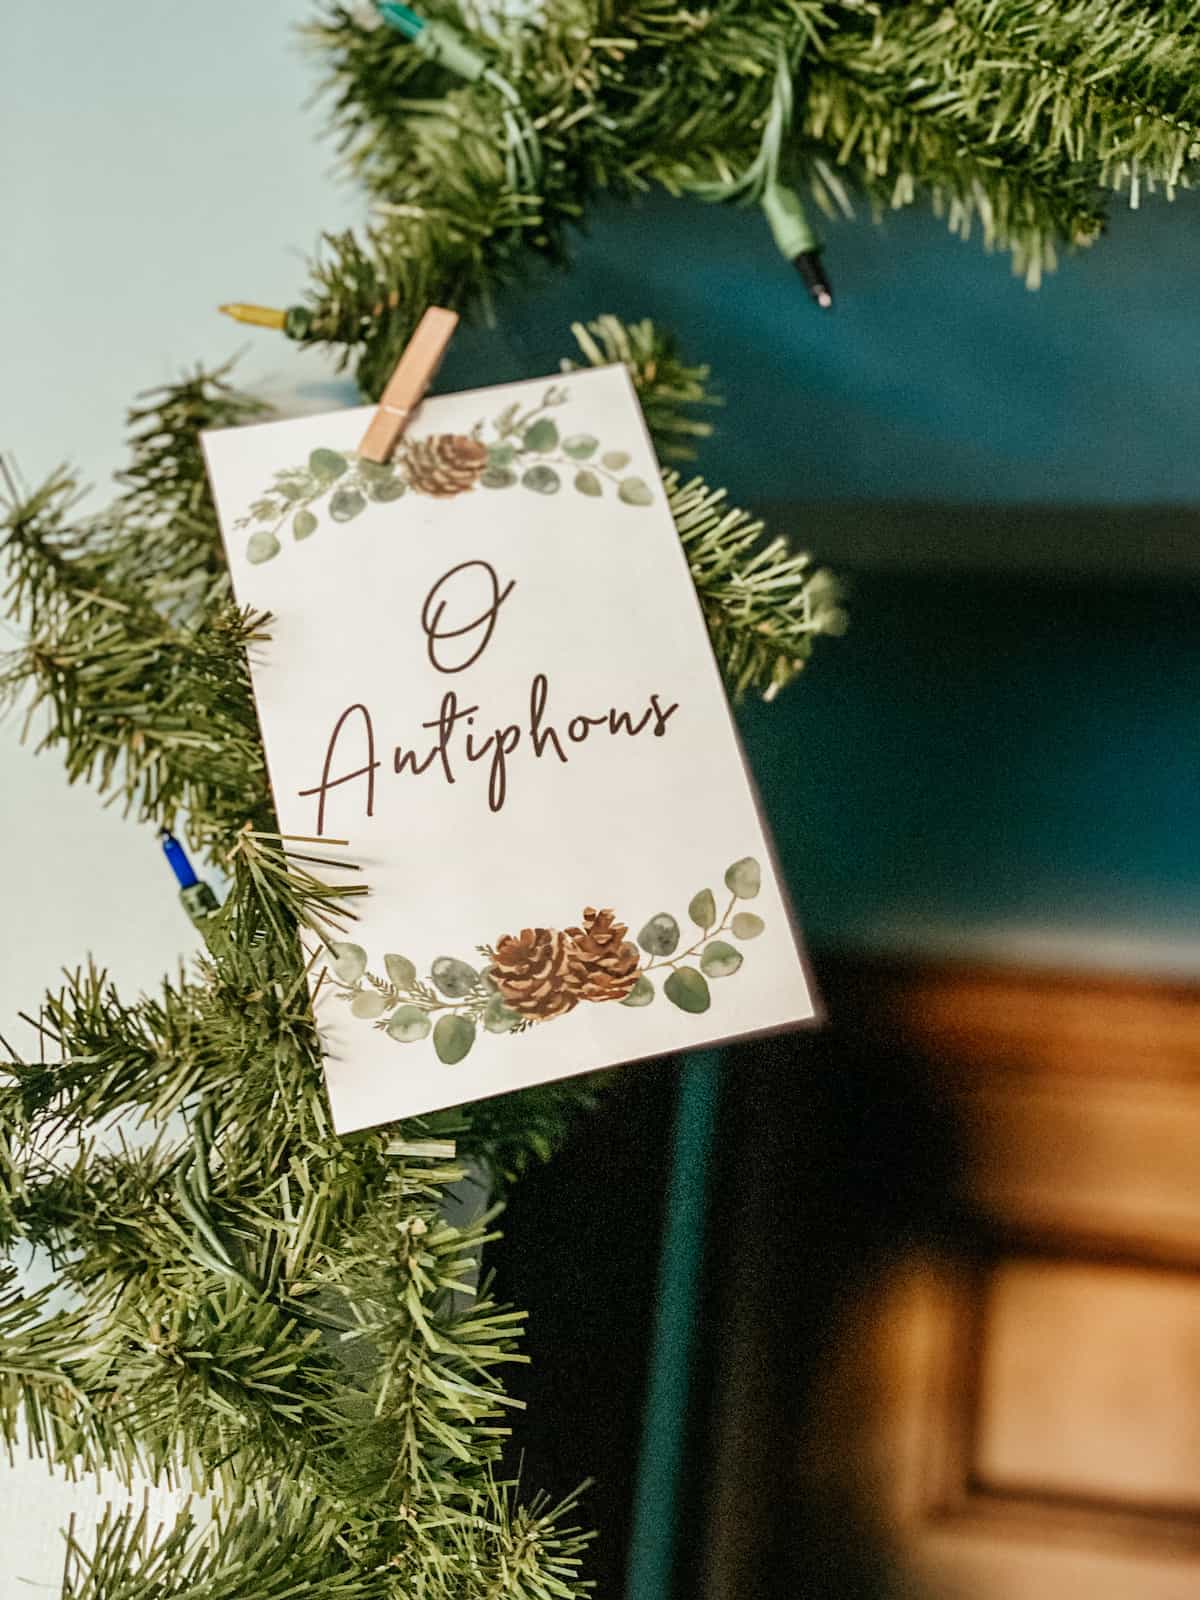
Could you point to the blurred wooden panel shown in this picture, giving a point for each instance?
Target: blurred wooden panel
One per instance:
(1040, 1433)
(1082, 1373)
(996, 1566)
(996, 1390)
(1112, 1159)
(1051, 1024)
(1081, 1100)
(994, 1490)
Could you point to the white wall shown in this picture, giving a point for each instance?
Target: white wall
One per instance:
(156, 160)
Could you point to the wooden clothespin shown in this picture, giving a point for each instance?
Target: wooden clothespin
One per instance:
(407, 385)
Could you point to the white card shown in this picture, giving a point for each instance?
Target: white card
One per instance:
(489, 672)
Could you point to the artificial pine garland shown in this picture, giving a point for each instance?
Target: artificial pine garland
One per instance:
(484, 140)
(246, 1303)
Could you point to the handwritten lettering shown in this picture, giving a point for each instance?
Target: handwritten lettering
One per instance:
(458, 592)
(367, 770)
(457, 743)
(454, 587)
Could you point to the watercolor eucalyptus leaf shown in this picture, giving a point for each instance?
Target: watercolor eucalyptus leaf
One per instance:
(408, 1024)
(328, 464)
(614, 460)
(498, 478)
(261, 546)
(304, 525)
(720, 960)
(642, 993)
(501, 455)
(367, 1003)
(746, 925)
(368, 469)
(346, 504)
(687, 989)
(744, 878)
(349, 962)
(452, 1038)
(660, 936)
(580, 446)
(541, 436)
(497, 1018)
(588, 483)
(635, 492)
(400, 971)
(702, 909)
(453, 977)
(541, 479)
(385, 490)
(291, 488)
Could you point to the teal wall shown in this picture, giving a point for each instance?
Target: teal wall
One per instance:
(996, 763)
(996, 767)
(937, 377)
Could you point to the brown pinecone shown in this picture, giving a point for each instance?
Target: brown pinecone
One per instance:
(538, 972)
(610, 962)
(445, 463)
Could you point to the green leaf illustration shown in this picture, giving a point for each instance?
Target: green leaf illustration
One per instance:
(452, 1038)
(687, 989)
(327, 464)
(543, 480)
(349, 962)
(580, 446)
(720, 960)
(346, 503)
(367, 1003)
(702, 909)
(541, 435)
(261, 547)
(660, 936)
(498, 478)
(497, 1018)
(588, 483)
(641, 994)
(303, 524)
(407, 1024)
(454, 977)
(746, 925)
(386, 489)
(400, 971)
(744, 878)
(614, 460)
(501, 455)
(635, 492)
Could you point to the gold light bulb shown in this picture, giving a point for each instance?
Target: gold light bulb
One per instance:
(257, 316)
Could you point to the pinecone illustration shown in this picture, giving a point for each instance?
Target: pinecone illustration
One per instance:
(538, 972)
(609, 961)
(445, 463)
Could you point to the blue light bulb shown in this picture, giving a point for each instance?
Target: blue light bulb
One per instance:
(177, 856)
(198, 899)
